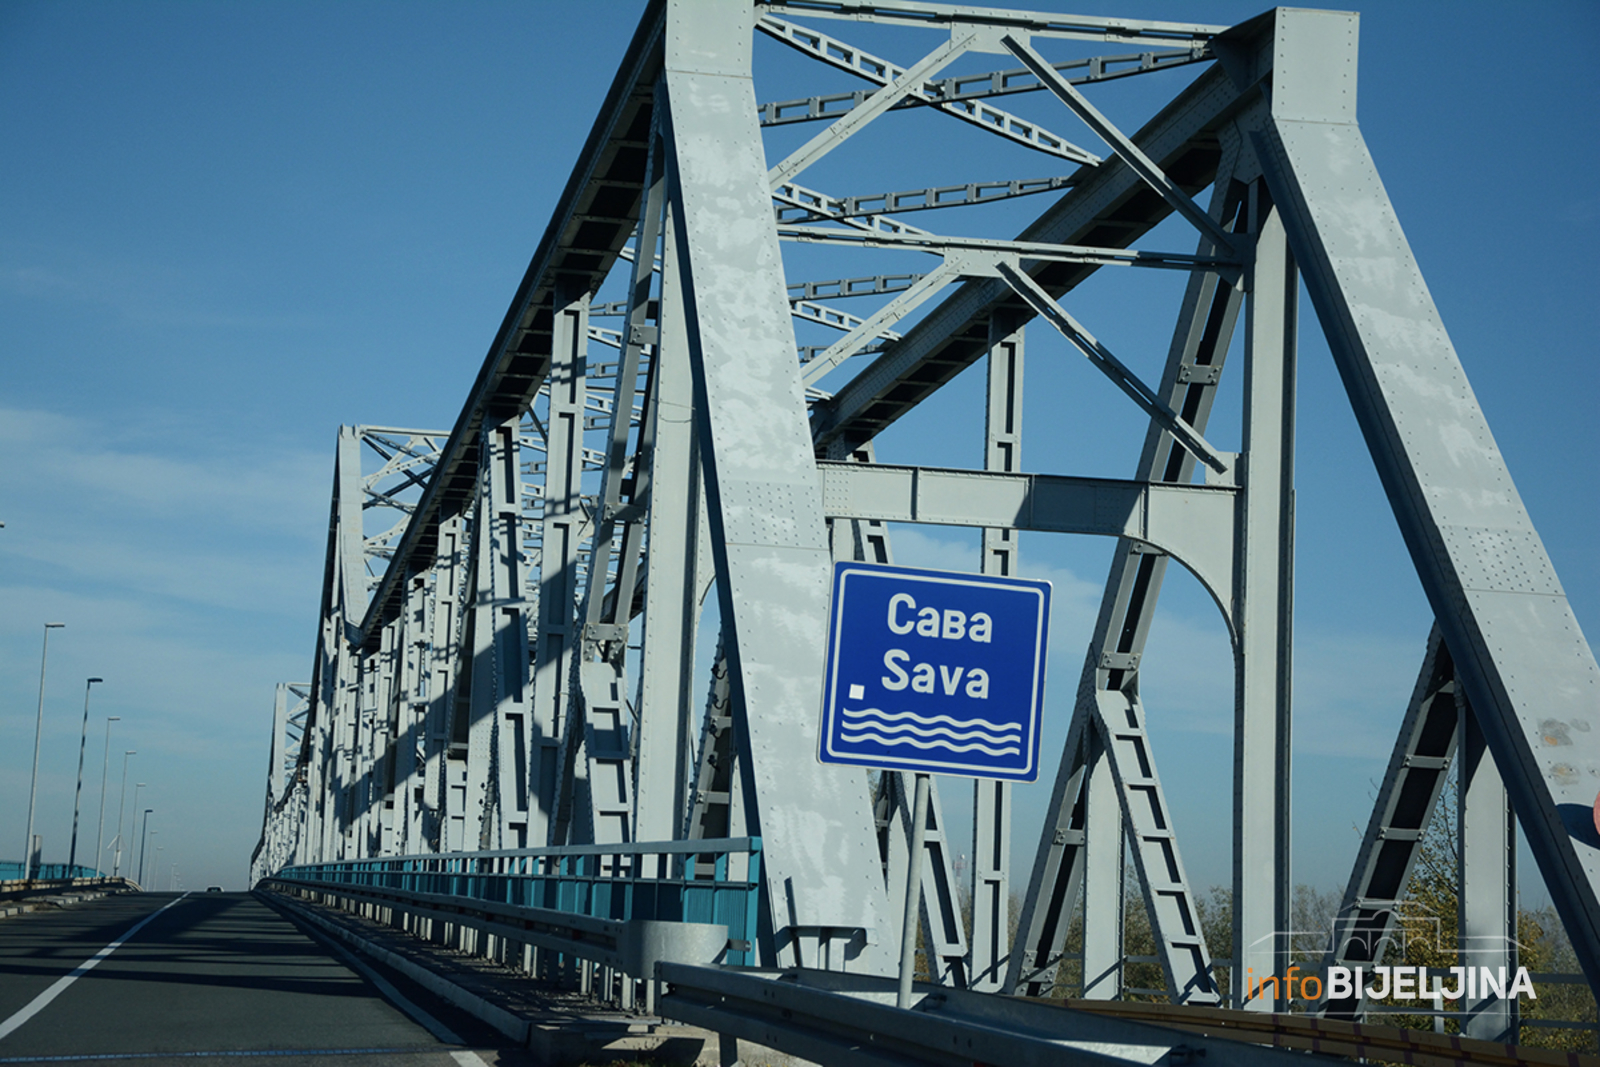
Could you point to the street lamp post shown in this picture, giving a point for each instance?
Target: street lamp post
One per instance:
(122, 805)
(77, 798)
(38, 734)
(133, 823)
(105, 769)
(144, 837)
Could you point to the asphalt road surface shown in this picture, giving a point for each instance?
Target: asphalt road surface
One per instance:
(222, 978)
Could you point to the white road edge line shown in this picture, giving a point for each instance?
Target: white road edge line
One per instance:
(465, 1057)
(59, 986)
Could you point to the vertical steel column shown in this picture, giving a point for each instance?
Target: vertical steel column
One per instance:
(991, 801)
(560, 541)
(1189, 383)
(1519, 651)
(345, 757)
(380, 669)
(672, 596)
(275, 826)
(442, 818)
(497, 756)
(345, 592)
(944, 944)
(605, 734)
(1103, 887)
(944, 939)
(357, 741)
(319, 780)
(1263, 607)
(275, 754)
(1487, 858)
(826, 898)
(410, 720)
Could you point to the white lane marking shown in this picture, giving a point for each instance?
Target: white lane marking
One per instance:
(445, 1035)
(227, 1054)
(40, 1002)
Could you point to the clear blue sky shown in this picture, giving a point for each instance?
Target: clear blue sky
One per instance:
(229, 228)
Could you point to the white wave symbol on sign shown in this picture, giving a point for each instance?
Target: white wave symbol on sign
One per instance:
(931, 731)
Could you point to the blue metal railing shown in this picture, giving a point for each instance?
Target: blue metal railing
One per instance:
(708, 881)
(11, 871)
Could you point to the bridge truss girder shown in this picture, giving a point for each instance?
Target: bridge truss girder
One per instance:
(522, 671)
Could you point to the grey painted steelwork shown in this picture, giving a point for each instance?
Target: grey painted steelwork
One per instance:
(969, 86)
(1518, 650)
(991, 801)
(767, 532)
(914, 86)
(507, 658)
(1406, 803)
(938, 919)
(1192, 523)
(1486, 856)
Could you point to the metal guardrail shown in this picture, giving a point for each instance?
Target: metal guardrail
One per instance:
(598, 918)
(850, 1019)
(24, 889)
(615, 947)
(11, 871)
(714, 881)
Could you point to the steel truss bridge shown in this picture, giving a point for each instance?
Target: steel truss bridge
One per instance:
(505, 675)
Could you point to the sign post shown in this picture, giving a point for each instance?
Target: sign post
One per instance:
(908, 928)
(933, 672)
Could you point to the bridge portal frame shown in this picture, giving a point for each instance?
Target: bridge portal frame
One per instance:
(1270, 128)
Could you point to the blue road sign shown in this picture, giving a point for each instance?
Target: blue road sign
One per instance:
(935, 671)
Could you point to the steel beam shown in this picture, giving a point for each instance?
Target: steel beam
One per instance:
(913, 84)
(1519, 652)
(991, 800)
(984, 86)
(940, 922)
(1401, 814)
(1486, 856)
(1192, 523)
(676, 563)
(557, 779)
(442, 799)
(1110, 207)
(602, 729)
(1066, 863)
(406, 716)
(827, 903)
(1264, 598)
(422, 732)
(1103, 873)
(1036, 23)
(592, 222)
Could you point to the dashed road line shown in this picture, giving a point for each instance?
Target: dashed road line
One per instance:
(59, 986)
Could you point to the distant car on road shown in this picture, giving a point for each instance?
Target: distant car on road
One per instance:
(213, 889)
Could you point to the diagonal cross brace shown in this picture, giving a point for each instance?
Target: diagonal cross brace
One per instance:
(871, 108)
(1112, 367)
(882, 72)
(1125, 149)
